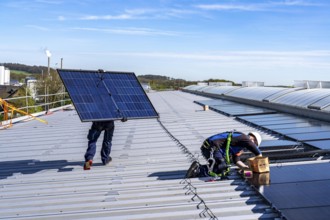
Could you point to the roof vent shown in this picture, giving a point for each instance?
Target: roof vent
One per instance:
(220, 83)
(252, 84)
(310, 84)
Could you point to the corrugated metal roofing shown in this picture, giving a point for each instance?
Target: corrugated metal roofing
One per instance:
(42, 176)
(219, 90)
(303, 98)
(257, 93)
(311, 102)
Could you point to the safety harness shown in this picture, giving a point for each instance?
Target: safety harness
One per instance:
(211, 160)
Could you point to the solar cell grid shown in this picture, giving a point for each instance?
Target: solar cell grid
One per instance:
(300, 191)
(277, 143)
(267, 117)
(310, 136)
(276, 122)
(284, 126)
(302, 130)
(214, 102)
(324, 144)
(100, 96)
(240, 110)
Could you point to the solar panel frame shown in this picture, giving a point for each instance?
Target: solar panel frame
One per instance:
(103, 96)
(240, 110)
(212, 102)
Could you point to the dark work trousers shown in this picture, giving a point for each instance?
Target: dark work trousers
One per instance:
(220, 163)
(94, 133)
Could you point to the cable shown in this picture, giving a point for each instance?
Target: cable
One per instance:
(191, 189)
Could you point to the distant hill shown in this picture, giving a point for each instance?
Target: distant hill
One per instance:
(157, 82)
(25, 68)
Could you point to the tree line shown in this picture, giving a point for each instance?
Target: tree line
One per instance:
(156, 82)
(52, 84)
(26, 68)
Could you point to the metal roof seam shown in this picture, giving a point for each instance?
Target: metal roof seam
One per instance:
(191, 188)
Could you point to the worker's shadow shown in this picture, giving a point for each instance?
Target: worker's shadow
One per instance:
(12, 168)
(169, 175)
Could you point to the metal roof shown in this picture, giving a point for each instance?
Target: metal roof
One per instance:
(304, 98)
(257, 93)
(314, 103)
(42, 174)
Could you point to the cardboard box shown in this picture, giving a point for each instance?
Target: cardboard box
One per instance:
(259, 164)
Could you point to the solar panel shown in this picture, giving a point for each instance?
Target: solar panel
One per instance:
(302, 130)
(284, 126)
(300, 191)
(101, 96)
(214, 102)
(237, 110)
(310, 136)
(231, 108)
(277, 143)
(325, 144)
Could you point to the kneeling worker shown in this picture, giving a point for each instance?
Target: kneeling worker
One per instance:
(218, 149)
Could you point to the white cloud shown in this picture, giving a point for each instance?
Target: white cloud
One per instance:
(139, 13)
(252, 58)
(107, 17)
(131, 31)
(52, 2)
(61, 18)
(255, 7)
(143, 13)
(37, 27)
(297, 3)
(223, 7)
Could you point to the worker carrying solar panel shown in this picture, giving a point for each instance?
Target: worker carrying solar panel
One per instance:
(219, 149)
(94, 133)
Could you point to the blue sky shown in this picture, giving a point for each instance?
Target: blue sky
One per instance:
(275, 41)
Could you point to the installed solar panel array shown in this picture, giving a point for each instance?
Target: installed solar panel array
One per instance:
(317, 98)
(100, 96)
(315, 133)
(233, 109)
(312, 132)
(298, 190)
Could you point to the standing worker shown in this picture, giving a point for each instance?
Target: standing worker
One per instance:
(94, 133)
(218, 149)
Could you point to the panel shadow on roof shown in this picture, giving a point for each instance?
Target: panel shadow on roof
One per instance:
(99, 96)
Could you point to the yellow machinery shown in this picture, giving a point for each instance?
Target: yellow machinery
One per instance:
(10, 108)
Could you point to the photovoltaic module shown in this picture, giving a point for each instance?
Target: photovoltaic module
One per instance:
(101, 96)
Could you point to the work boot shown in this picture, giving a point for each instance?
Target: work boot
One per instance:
(193, 170)
(88, 164)
(107, 161)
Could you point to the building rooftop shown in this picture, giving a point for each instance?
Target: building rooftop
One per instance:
(42, 174)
